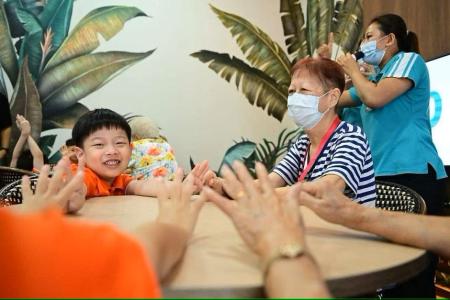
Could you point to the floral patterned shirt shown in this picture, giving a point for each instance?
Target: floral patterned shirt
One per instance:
(152, 158)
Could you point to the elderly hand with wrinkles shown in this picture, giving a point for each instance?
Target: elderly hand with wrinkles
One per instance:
(263, 219)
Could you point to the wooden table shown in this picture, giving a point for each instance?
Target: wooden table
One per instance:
(217, 263)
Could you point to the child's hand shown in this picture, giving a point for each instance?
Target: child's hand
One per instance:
(197, 175)
(59, 190)
(214, 182)
(176, 206)
(23, 125)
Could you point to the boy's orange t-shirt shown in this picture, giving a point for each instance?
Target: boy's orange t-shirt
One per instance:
(45, 255)
(97, 187)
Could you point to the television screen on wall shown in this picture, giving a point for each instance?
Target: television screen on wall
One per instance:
(439, 69)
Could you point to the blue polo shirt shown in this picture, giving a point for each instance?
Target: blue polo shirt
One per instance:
(399, 133)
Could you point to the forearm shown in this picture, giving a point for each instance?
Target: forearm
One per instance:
(36, 152)
(367, 90)
(164, 244)
(295, 278)
(427, 232)
(148, 187)
(18, 150)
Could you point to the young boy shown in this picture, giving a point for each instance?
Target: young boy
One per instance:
(103, 140)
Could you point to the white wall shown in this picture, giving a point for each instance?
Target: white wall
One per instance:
(200, 113)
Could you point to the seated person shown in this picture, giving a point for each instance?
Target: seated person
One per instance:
(151, 155)
(50, 256)
(331, 150)
(21, 159)
(103, 138)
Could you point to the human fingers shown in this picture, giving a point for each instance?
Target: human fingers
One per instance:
(246, 179)
(231, 184)
(263, 177)
(43, 181)
(174, 188)
(161, 190)
(56, 182)
(27, 194)
(73, 186)
(330, 40)
(209, 177)
(290, 204)
(224, 204)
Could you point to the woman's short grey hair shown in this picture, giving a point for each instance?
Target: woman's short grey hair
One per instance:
(143, 128)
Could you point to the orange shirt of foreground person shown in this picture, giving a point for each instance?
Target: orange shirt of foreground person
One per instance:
(45, 255)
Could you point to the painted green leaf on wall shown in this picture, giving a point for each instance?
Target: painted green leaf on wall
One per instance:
(57, 15)
(66, 118)
(260, 89)
(260, 50)
(243, 151)
(348, 24)
(67, 83)
(31, 45)
(35, 7)
(84, 38)
(319, 15)
(8, 59)
(294, 28)
(25, 101)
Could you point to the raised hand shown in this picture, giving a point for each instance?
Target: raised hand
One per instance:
(176, 206)
(59, 190)
(264, 220)
(23, 124)
(197, 175)
(327, 201)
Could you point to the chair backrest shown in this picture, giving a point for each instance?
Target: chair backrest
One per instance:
(396, 197)
(9, 175)
(12, 193)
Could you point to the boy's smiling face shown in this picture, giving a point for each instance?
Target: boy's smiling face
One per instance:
(107, 152)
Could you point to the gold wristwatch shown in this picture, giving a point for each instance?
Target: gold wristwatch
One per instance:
(284, 251)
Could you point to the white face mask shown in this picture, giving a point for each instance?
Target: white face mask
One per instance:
(304, 109)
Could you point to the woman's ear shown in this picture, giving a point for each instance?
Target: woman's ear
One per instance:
(335, 94)
(391, 39)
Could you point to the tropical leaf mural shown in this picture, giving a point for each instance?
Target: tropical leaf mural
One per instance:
(58, 68)
(267, 152)
(265, 79)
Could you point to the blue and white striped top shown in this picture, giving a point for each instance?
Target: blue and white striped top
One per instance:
(346, 154)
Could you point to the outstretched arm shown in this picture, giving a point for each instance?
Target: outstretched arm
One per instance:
(427, 232)
(165, 240)
(268, 224)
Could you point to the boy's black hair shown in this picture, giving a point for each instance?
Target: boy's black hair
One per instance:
(95, 120)
(70, 142)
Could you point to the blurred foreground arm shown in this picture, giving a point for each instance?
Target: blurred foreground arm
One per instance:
(165, 239)
(271, 224)
(427, 232)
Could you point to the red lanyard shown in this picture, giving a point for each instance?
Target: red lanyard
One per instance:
(323, 141)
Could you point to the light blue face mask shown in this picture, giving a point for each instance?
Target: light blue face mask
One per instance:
(304, 109)
(372, 55)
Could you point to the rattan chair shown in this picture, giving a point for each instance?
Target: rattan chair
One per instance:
(11, 194)
(9, 175)
(396, 197)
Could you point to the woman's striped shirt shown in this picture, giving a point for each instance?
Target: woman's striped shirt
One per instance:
(346, 154)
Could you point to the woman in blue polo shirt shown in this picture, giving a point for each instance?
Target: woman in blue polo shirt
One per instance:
(395, 116)
(394, 110)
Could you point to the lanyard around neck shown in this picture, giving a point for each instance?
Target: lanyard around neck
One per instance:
(322, 143)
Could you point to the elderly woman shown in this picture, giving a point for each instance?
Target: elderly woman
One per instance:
(331, 150)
